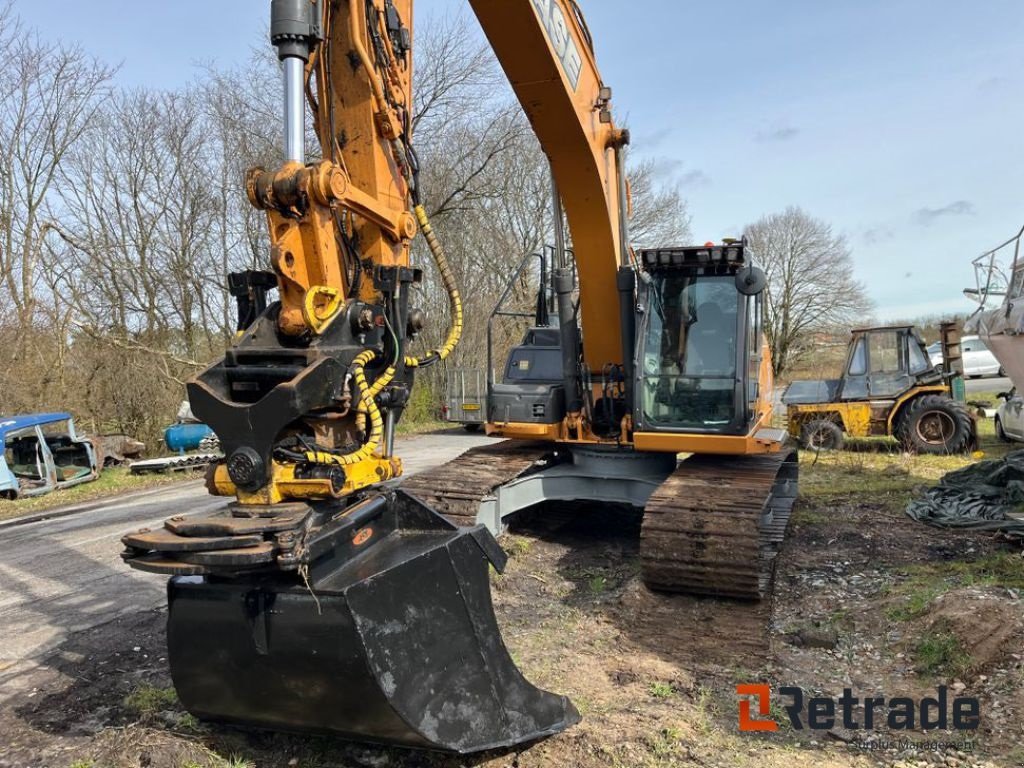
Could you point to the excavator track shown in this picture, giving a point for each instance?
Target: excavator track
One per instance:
(456, 489)
(716, 525)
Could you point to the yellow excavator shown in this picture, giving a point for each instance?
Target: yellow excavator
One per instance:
(324, 598)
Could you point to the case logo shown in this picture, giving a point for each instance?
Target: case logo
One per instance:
(557, 27)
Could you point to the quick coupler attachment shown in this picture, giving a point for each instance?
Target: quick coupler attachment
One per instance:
(389, 636)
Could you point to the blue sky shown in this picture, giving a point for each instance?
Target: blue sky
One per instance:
(899, 121)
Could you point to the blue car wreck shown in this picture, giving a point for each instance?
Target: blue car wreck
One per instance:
(43, 452)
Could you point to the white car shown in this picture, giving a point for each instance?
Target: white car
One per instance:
(978, 359)
(1010, 418)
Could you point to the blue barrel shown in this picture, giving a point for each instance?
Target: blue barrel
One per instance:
(182, 438)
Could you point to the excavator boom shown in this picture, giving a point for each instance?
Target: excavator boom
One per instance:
(569, 107)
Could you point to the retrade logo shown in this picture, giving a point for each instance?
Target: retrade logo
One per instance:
(821, 713)
(557, 27)
(762, 694)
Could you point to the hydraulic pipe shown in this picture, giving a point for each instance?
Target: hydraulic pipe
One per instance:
(295, 110)
(389, 432)
(620, 164)
(295, 31)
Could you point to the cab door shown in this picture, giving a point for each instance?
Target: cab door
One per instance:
(888, 364)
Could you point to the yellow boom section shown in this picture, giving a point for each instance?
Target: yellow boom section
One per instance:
(569, 108)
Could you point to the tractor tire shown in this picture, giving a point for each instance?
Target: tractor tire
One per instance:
(821, 435)
(935, 425)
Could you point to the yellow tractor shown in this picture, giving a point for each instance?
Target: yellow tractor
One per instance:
(889, 388)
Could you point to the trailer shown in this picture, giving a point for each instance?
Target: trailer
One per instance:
(466, 398)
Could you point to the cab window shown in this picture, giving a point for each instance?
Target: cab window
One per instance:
(690, 354)
(858, 361)
(919, 361)
(886, 352)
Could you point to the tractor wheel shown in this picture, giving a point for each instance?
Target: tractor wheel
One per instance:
(821, 435)
(935, 425)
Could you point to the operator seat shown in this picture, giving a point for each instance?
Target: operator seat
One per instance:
(710, 349)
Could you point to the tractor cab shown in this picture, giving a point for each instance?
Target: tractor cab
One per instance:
(881, 363)
(889, 387)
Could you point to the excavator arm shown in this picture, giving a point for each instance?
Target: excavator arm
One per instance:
(322, 598)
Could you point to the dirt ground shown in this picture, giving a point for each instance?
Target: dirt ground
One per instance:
(865, 599)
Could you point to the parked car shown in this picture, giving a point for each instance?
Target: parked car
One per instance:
(978, 359)
(1010, 417)
(43, 452)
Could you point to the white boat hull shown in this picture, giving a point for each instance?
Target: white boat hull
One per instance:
(1003, 333)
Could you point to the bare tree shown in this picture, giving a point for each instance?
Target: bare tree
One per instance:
(48, 95)
(811, 285)
(660, 216)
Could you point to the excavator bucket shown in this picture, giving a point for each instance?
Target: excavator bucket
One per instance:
(390, 637)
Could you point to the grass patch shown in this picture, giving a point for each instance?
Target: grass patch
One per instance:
(83, 764)
(809, 515)
(148, 699)
(111, 482)
(661, 690)
(916, 603)
(989, 398)
(517, 546)
(410, 427)
(926, 582)
(665, 744)
(189, 723)
(940, 653)
(878, 468)
(1003, 569)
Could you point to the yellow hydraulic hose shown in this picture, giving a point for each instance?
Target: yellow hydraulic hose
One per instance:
(368, 394)
(369, 404)
(454, 297)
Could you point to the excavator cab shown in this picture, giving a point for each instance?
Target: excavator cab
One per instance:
(699, 355)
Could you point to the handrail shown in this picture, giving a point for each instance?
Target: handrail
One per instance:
(499, 309)
(986, 268)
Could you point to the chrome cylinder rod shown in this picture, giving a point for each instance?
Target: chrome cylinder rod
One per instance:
(389, 433)
(295, 110)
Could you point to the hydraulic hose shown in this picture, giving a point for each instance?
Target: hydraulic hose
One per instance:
(369, 404)
(454, 297)
(368, 394)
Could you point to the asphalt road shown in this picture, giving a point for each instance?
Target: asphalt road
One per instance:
(65, 575)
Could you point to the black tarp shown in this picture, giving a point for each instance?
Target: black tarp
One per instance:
(986, 496)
